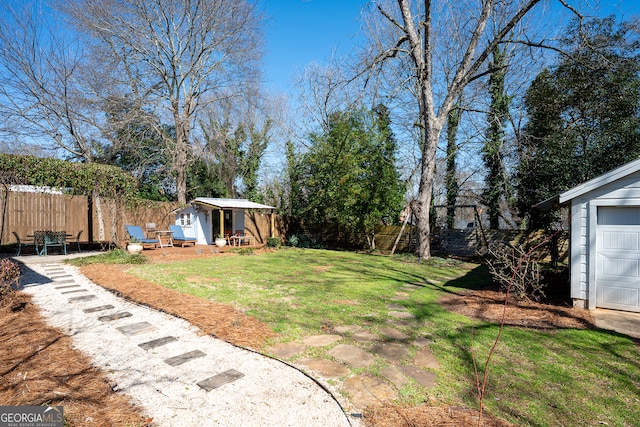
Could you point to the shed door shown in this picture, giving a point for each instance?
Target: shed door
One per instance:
(618, 258)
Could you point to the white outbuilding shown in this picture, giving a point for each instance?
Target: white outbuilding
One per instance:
(605, 240)
(207, 218)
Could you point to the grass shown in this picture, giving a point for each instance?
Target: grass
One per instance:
(117, 256)
(537, 377)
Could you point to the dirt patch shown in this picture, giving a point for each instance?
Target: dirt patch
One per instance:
(40, 367)
(489, 305)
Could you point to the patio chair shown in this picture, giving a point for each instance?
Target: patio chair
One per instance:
(179, 238)
(21, 242)
(54, 239)
(78, 240)
(135, 232)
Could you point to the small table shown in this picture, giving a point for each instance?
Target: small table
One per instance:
(238, 240)
(167, 236)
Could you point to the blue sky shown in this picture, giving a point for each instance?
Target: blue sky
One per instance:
(302, 31)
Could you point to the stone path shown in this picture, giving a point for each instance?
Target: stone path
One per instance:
(177, 374)
(352, 350)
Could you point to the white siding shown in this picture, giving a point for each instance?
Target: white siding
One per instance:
(623, 192)
(579, 251)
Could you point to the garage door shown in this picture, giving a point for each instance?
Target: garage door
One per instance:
(618, 258)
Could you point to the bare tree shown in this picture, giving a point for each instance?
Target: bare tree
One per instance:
(236, 133)
(49, 89)
(183, 51)
(44, 95)
(408, 34)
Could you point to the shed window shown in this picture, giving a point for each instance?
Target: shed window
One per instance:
(618, 215)
(185, 219)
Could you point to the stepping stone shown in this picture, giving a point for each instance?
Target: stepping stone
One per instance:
(83, 298)
(67, 286)
(347, 329)
(400, 294)
(410, 287)
(321, 340)
(353, 356)
(401, 315)
(62, 282)
(394, 375)
(137, 328)
(287, 350)
(365, 337)
(422, 341)
(157, 343)
(392, 351)
(394, 334)
(115, 316)
(365, 391)
(326, 368)
(99, 308)
(425, 359)
(184, 358)
(396, 307)
(75, 291)
(220, 379)
(399, 323)
(424, 378)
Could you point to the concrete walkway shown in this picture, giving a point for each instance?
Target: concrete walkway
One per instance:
(623, 322)
(177, 374)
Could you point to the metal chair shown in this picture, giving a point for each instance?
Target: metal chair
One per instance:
(21, 242)
(53, 239)
(78, 240)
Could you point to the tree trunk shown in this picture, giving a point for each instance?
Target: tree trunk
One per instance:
(97, 202)
(180, 159)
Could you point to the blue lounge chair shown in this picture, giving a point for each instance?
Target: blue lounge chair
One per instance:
(135, 232)
(179, 238)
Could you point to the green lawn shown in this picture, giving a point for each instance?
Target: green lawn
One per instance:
(562, 377)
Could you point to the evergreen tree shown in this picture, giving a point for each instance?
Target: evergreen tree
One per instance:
(495, 182)
(583, 114)
(349, 175)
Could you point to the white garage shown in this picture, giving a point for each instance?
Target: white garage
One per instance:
(605, 240)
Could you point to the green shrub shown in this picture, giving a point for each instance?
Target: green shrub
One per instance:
(293, 240)
(274, 242)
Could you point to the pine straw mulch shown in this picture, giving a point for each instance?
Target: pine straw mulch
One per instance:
(488, 305)
(220, 320)
(428, 416)
(39, 366)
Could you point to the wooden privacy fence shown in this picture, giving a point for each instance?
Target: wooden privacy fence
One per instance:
(26, 212)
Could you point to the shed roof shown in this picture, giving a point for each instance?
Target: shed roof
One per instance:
(230, 203)
(597, 182)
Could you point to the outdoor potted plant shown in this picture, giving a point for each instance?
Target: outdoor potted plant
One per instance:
(220, 241)
(134, 246)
